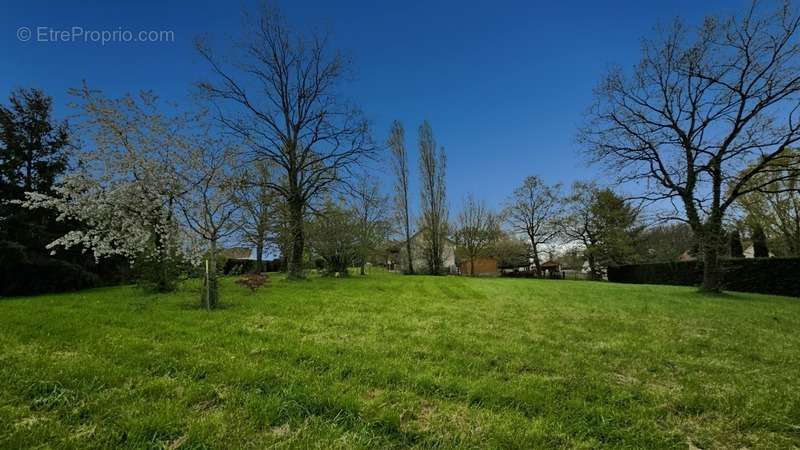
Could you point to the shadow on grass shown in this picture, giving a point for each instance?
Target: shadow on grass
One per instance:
(736, 296)
(195, 305)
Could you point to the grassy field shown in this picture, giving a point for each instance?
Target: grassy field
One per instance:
(392, 361)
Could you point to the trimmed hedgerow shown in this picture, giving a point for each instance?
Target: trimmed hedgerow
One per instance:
(780, 276)
(25, 274)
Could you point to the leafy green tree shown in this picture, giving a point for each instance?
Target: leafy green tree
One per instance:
(665, 242)
(33, 147)
(604, 224)
(774, 204)
(511, 252)
(760, 249)
(618, 227)
(34, 151)
(331, 237)
(737, 251)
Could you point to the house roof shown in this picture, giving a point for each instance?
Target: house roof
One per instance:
(236, 252)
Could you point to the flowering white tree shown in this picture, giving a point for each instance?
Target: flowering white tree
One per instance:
(124, 189)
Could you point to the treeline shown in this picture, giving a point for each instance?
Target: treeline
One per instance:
(777, 276)
(263, 160)
(35, 151)
(276, 158)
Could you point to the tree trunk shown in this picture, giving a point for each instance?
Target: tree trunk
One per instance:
(28, 170)
(212, 295)
(260, 258)
(536, 262)
(164, 284)
(161, 277)
(363, 267)
(472, 267)
(712, 279)
(709, 237)
(434, 252)
(408, 249)
(592, 267)
(712, 275)
(297, 234)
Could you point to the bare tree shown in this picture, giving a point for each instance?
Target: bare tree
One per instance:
(282, 232)
(281, 96)
(208, 170)
(397, 146)
(258, 209)
(703, 113)
(477, 230)
(432, 164)
(370, 207)
(533, 210)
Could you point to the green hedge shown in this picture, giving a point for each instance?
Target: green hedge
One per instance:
(779, 276)
(25, 274)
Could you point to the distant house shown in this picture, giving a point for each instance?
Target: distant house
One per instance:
(236, 252)
(551, 267)
(484, 266)
(392, 249)
(750, 252)
(399, 261)
(686, 256)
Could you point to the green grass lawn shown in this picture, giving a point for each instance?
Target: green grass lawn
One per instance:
(393, 361)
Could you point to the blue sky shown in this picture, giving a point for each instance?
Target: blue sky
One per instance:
(504, 84)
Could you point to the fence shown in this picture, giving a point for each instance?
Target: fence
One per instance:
(562, 275)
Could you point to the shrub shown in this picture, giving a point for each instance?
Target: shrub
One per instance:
(253, 281)
(779, 276)
(158, 273)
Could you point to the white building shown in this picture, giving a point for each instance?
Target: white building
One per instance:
(418, 255)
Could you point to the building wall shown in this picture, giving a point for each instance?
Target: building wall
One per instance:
(420, 264)
(483, 266)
